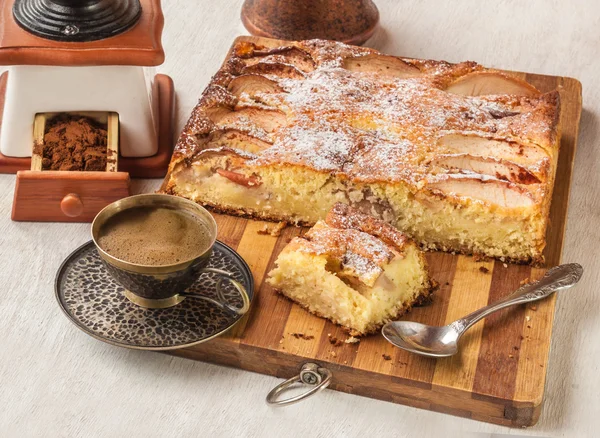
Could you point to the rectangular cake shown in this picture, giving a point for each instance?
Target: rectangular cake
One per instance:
(459, 157)
(355, 270)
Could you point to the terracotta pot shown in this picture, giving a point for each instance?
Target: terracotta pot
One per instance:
(350, 21)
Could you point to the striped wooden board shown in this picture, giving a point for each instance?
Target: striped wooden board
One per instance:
(499, 374)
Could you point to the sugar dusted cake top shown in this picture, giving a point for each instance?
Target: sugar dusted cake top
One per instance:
(373, 117)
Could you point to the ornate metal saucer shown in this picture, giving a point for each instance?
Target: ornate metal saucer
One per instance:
(94, 301)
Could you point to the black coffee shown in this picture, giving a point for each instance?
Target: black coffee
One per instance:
(154, 236)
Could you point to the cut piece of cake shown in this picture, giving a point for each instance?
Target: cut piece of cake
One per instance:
(459, 157)
(355, 270)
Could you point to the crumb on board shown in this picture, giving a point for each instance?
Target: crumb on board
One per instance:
(511, 356)
(352, 340)
(333, 354)
(528, 326)
(534, 308)
(447, 283)
(484, 269)
(302, 336)
(386, 356)
(527, 318)
(505, 265)
(335, 341)
(273, 229)
(524, 281)
(516, 348)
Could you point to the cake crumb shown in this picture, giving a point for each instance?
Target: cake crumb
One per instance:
(484, 269)
(511, 356)
(352, 340)
(527, 318)
(524, 281)
(345, 362)
(273, 230)
(302, 336)
(534, 308)
(480, 257)
(505, 265)
(386, 356)
(447, 283)
(335, 341)
(333, 354)
(516, 348)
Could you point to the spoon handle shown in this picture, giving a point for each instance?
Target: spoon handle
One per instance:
(555, 279)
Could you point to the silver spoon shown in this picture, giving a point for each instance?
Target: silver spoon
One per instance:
(443, 341)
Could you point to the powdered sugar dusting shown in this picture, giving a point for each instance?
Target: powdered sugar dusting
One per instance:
(361, 265)
(372, 126)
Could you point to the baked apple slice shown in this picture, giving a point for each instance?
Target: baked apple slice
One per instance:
(499, 168)
(289, 55)
(383, 65)
(252, 84)
(247, 117)
(482, 83)
(475, 145)
(489, 190)
(238, 140)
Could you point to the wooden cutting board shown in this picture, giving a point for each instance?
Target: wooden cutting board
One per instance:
(499, 374)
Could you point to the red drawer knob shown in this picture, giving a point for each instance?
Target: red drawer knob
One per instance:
(71, 205)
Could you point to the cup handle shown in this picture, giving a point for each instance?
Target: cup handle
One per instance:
(224, 275)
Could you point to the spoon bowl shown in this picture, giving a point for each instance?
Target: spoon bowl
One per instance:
(423, 339)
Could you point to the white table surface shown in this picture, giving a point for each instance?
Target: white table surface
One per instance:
(56, 381)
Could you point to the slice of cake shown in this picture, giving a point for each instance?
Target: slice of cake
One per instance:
(353, 269)
(459, 157)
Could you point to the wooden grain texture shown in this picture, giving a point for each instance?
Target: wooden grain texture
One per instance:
(140, 45)
(499, 374)
(38, 195)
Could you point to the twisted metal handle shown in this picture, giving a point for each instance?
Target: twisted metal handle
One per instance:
(555, 279)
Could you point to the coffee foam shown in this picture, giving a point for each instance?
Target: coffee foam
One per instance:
(154, 236)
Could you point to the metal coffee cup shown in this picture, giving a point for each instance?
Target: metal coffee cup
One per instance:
(161, 286)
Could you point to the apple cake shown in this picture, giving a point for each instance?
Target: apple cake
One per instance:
(459, 157)
(355, 270)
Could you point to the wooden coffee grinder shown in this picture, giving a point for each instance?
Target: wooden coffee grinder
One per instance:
(82, 57)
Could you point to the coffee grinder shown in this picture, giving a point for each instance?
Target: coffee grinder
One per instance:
(82, 57)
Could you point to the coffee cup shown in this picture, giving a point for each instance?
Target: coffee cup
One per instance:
(164, 285)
